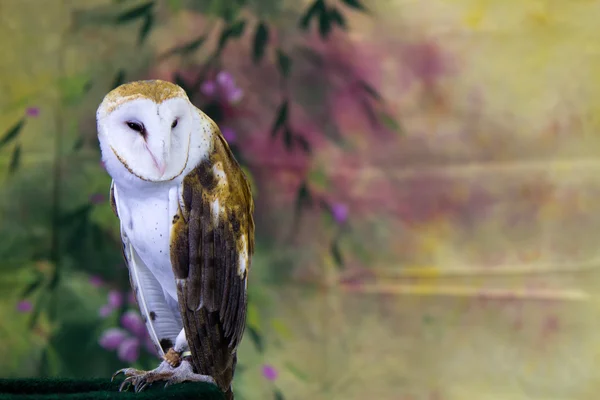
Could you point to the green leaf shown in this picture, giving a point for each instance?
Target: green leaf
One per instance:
(15, 160)
(336, 253)
(29, 289)
(237, 28)
(316, 8)
(296, 372)
(281, 119)
(145, 28)
(288, 139)
(324, 24)
(78, 143)
(232, 31)
(261, 38)
(337, 18)
(12, 133)
(119, 79)
(256, 338)
(278, 395)
(284, 63)
(303, 143)
(175, 5)
(389, 122)
(370, 90)
(186, 48)
(135, 13)
(303, 198)
(354, 4)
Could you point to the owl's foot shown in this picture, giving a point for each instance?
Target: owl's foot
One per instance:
(164, 372)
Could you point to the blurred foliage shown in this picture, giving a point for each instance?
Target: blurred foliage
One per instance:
(59, 233)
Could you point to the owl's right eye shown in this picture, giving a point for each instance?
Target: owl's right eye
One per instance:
(135, 126)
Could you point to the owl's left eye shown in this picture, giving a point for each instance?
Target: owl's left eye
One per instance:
(174, 124)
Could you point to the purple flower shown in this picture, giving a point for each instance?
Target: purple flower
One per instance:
(24, 306)
(339, 212)
(225, 80)
(102, 164)
(32, 112)
(96, 281)
(97, 198)
(234, 95)
(105, 311)
(115, 299)
(112, 338)
(133, 323)
(131, 298)
(269, 372)
(223, 87)
(228, 134)
(129, 350)
(208, 88)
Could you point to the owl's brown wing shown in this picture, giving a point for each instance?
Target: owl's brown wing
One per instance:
(212, 242)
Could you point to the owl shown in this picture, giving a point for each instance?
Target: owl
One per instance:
(186, 218)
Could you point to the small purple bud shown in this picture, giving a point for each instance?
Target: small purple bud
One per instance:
(24, 306)
(105, 311)
(97, 198)
(339, 212)
(225, 80)
(103, 165)
(32, 112)
(133, 323)
(96, 281)
(269, 372)
(129, 350)
(234, 95)
(112, 338)
(228, 134)
(208, 88)
(115, 299)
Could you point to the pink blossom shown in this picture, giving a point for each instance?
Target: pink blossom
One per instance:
(24, 306)
(269, 372)
(228, 134)
(129, 350)
(32, 112)
(133, 323)
(115, 299)
(97, 198)
(105, 311)
(112, 338)
(339, 212)
(208, 88)
(96, 281)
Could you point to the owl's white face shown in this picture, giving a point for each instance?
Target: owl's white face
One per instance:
(147, 140)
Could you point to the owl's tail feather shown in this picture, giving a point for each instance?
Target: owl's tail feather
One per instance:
(229, 394)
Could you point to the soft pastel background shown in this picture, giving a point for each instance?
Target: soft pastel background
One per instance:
(428, 213)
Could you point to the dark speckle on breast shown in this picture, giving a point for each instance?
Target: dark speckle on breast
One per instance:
(152, 315)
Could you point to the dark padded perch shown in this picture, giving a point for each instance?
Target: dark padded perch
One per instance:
(76, 389)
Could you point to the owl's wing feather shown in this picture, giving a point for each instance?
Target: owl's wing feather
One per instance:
(162, 324)
(212, 244)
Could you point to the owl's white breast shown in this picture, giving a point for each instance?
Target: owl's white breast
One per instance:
(146, 217)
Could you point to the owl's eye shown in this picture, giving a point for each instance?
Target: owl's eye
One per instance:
(136, 126)
(174, 124)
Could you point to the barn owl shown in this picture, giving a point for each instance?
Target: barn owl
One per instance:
(186, 215)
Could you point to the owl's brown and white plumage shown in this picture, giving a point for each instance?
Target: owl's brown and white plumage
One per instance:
(185, 210)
